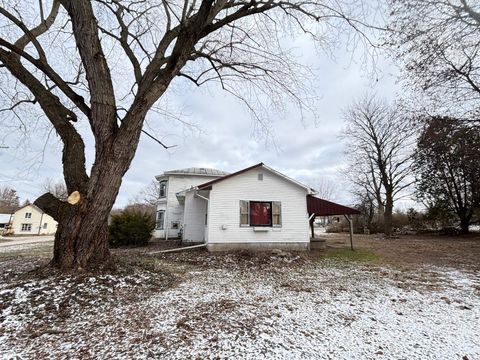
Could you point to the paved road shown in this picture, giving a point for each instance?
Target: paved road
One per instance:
(13, 241)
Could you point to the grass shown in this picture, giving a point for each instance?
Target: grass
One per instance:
(347, 255)
(35, 250)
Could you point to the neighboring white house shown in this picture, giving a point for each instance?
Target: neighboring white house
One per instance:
(256, 207)
(170, 208)
(31, 220)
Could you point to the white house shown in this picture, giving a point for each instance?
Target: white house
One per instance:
(31, 220)
(170, 209)
(256, 207)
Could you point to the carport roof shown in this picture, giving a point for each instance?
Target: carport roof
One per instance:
(321, 207)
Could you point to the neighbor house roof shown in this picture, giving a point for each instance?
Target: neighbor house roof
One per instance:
(208, 185)
(32, 205)
(322, 207)
(5, 218)
(199, 171)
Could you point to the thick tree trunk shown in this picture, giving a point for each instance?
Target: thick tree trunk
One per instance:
(464, 225)
(81, 240)
(387, 216)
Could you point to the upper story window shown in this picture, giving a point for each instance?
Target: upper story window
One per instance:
(28, 215)
(163, 189)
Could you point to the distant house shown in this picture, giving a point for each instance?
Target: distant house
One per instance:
(257, 207)
(5, 221)
(31, 220)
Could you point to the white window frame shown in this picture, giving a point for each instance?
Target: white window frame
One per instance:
(45, 225)
(28, 215)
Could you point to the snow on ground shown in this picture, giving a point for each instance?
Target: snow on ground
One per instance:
(315, 310)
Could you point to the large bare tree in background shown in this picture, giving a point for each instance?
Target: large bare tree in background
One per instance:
(56, 54)
(9, 200)
(326, 189)
(437, 43)
(379, 142)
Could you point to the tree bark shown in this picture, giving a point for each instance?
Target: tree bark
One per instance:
(464, 224)
(81, 239)
(387, 215)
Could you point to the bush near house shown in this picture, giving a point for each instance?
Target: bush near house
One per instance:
(131, 228)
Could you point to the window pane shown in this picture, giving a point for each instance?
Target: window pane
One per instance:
(260, 213)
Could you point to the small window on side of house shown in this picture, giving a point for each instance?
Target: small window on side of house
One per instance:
(162, 193)
(28, 215)
(26, 227)
(244, 213)
(45, 225)
(260, 176)
(160, 219)
(277, 214)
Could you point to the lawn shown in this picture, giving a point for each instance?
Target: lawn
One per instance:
(379, 302)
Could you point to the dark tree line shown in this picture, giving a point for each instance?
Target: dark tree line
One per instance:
(447, 165)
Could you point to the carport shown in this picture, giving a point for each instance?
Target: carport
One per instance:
(319, 207)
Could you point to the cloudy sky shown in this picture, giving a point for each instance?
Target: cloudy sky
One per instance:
(223, 135)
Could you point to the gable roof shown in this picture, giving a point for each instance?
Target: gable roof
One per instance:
(32, 205)
(322, 207)
(208, 185)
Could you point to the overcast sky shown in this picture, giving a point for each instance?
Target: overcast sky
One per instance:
(304, 151)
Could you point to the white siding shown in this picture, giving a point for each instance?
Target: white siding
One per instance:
(37, 221)
(224, 220)
(174, 210)
(194, 219)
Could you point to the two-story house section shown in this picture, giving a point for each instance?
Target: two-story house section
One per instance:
(171, 197)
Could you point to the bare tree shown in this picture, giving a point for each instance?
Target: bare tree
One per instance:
(56, 188)
(326, 189)
(9, 201)
(437, 44)
(379, 142)
(149, 195)
(58, 61)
